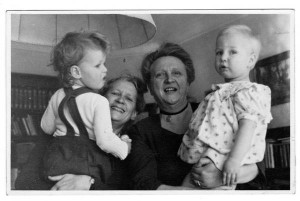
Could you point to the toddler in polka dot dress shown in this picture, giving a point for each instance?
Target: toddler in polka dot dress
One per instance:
(230, 124)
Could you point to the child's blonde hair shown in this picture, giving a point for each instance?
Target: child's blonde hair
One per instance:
(247, 32)
(71, 50)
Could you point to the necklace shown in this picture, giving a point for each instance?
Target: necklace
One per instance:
(173, 113)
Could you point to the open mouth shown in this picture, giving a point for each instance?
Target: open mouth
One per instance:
(170, 89)
(118, 109)
(222, 68)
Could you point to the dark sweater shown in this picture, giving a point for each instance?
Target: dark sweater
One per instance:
(153, 159)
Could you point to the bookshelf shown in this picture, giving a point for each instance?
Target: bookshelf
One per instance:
(29, 98)
(277, 158)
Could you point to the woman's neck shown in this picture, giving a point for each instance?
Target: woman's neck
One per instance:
(177, 123)
(117, 128)
(173, 112)
(174, 108)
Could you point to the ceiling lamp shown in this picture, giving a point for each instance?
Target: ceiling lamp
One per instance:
(123, 31)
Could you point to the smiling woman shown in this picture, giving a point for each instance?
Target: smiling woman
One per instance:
(125, 95)
(169, 82)
(153, 163)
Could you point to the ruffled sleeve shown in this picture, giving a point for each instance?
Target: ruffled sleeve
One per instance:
(253, 103)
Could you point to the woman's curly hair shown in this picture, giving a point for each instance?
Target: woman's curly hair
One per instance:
(168, 49)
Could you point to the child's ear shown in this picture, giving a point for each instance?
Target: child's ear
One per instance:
(75, 72)
(252, 60)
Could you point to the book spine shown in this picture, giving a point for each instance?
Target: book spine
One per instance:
(17, 98)
(13, 97)
(21, 126)
(25, 126)
(44, 99)
(280, 146)
(21, 98)
(266, 157)
(25, 98)
(276, 155)
(31, 126)
(18, 129)
(30, 98)
(13, 129)
(272, 165)
(288, 154)
(40, 99)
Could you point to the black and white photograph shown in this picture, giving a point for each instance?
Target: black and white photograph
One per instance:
(150, 102)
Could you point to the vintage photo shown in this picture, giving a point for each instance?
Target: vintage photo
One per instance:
(134, 100)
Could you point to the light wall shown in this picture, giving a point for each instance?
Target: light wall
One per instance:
(31, 61)
(281, 115)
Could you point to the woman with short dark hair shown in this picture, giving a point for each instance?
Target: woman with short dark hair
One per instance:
(153, 163)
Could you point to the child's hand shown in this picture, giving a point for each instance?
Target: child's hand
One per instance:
(230, 170)
(129, 146)
(126, 139)
(192, 133)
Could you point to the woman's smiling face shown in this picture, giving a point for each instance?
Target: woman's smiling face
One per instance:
(122, 97)
(169, 84)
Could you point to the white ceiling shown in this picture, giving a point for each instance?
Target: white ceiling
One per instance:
(176, 28)
(179, 28)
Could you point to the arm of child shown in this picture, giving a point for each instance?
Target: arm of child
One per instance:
(48, 119)
(105, 138)
(239, 150)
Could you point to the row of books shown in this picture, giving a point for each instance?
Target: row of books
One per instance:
(24, 126)
(277, 153)
(30, 98)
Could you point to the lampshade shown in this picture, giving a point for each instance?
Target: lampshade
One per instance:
(123, 31)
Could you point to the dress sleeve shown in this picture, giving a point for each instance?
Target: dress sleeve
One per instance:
(141, 163)
(253, 103)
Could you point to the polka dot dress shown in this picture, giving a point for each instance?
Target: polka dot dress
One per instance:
(213, 127)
